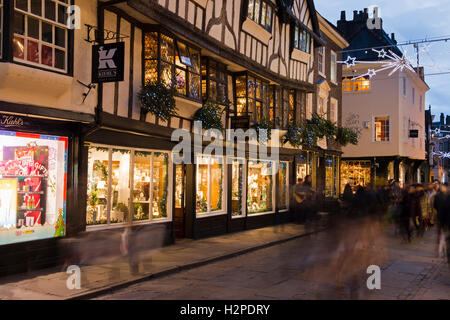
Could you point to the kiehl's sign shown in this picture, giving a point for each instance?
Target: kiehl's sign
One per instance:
(11, 121)
(108, 62)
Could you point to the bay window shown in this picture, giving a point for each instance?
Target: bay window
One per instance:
(210, 185)
(302, 39)
(214, 81)
(173, 62)
(124, 183)
(260, 11)
(41, 33)
(252, 97)
(260, 187)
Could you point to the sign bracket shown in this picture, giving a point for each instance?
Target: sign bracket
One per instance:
(93, 34)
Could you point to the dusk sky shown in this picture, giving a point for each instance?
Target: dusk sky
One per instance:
(410, 20)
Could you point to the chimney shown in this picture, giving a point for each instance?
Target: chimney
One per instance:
(355, 15)
(393, 37)
(447, 120)
(343, 15)
(442, 119)
(366, 14)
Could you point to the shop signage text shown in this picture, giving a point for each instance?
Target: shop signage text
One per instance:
(11, 121)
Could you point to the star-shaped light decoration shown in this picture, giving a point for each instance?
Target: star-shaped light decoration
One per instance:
(381, 53)
(350, 62)
(371, 73)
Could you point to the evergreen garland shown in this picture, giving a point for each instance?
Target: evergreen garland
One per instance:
(293, 135)
(266, 125)
(344, 136)
(210, 115)
(158, 99)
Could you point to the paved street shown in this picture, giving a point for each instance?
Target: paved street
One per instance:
(328, 265)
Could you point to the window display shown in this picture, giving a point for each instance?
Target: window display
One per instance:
(237, 189)
(260, 186)
(33, 175)
(357, 173)
(329, 176)
(252, 97)
(283, 185)
(209, 195)
(110, 196)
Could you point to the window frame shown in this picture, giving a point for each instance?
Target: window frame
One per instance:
(258, 20)
(349, 85)
(205, 72)
(374, 139)
(334, 107)
(321, 60)
(68, 35)
(131, 202)
(278, 207)
(188, 71)
(333, 73)
(243, 162)
(264, 101)
(224, 209)
(274, 184)
(301, 39)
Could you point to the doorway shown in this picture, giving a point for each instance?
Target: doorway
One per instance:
(180, 203)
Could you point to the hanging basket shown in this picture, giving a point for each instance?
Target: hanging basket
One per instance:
(158, 99)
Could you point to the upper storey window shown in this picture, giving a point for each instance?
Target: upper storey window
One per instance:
(356, 85)
(260, 11)
(252, 97)
(173, 62)
(214, 81)
(41, 33)
(302, 39)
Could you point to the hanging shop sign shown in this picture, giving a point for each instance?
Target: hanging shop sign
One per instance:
(108, 62)
(413, 133)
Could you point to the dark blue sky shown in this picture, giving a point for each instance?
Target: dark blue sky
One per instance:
(410, 20)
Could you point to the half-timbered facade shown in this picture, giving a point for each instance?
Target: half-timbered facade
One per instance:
(255, 58)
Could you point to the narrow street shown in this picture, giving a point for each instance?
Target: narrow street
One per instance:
(312, 268)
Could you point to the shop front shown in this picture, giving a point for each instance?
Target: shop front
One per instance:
(356, 173)
(36, 206)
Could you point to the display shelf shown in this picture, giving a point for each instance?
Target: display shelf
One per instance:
(27, 209)
(30, 192)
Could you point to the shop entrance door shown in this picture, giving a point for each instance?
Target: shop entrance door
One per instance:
(180, 191)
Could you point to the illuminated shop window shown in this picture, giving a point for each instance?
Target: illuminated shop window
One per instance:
(33, 175)
(283, 185)
(357, 173)
(331, 176)
(381, 129)
(302, 39)
(358, 85)
(252, 96)
(214, 81)
(210, 185)
(41, 33)
(238, 188)
(173, 62)
(111, 172)
(259, 187)
(260, 11)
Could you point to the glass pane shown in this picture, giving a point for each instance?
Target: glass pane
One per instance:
(167, 49)
(160, 184)
(181, 81)
(60, 59)
(263, 14)
(47, 56)
(19, 23)
(194, 86)
(257, 10)
(240, 87)
(213, 90)
(182, 57)
(33, 51)
(62, 15)
(202, 186)
(195, 59)
(166, 74)
(221, 93)
(282, 185)
(33, 28)
(36, 7)
(237, 188)
(60, 37)
(269, 19)
(141, 185)
(50, 10)
(97, 188)
(252, 109)
(19, 48)
(47, 33)
(329, 179)
(22, 5)
(212, 69)
(151, 71)
(258, 89)
(259, 194)
(251, 87)
(179, 187)
(216, 185)
(151, 45)
(251, 5)
(258, 111)
(120, 185)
